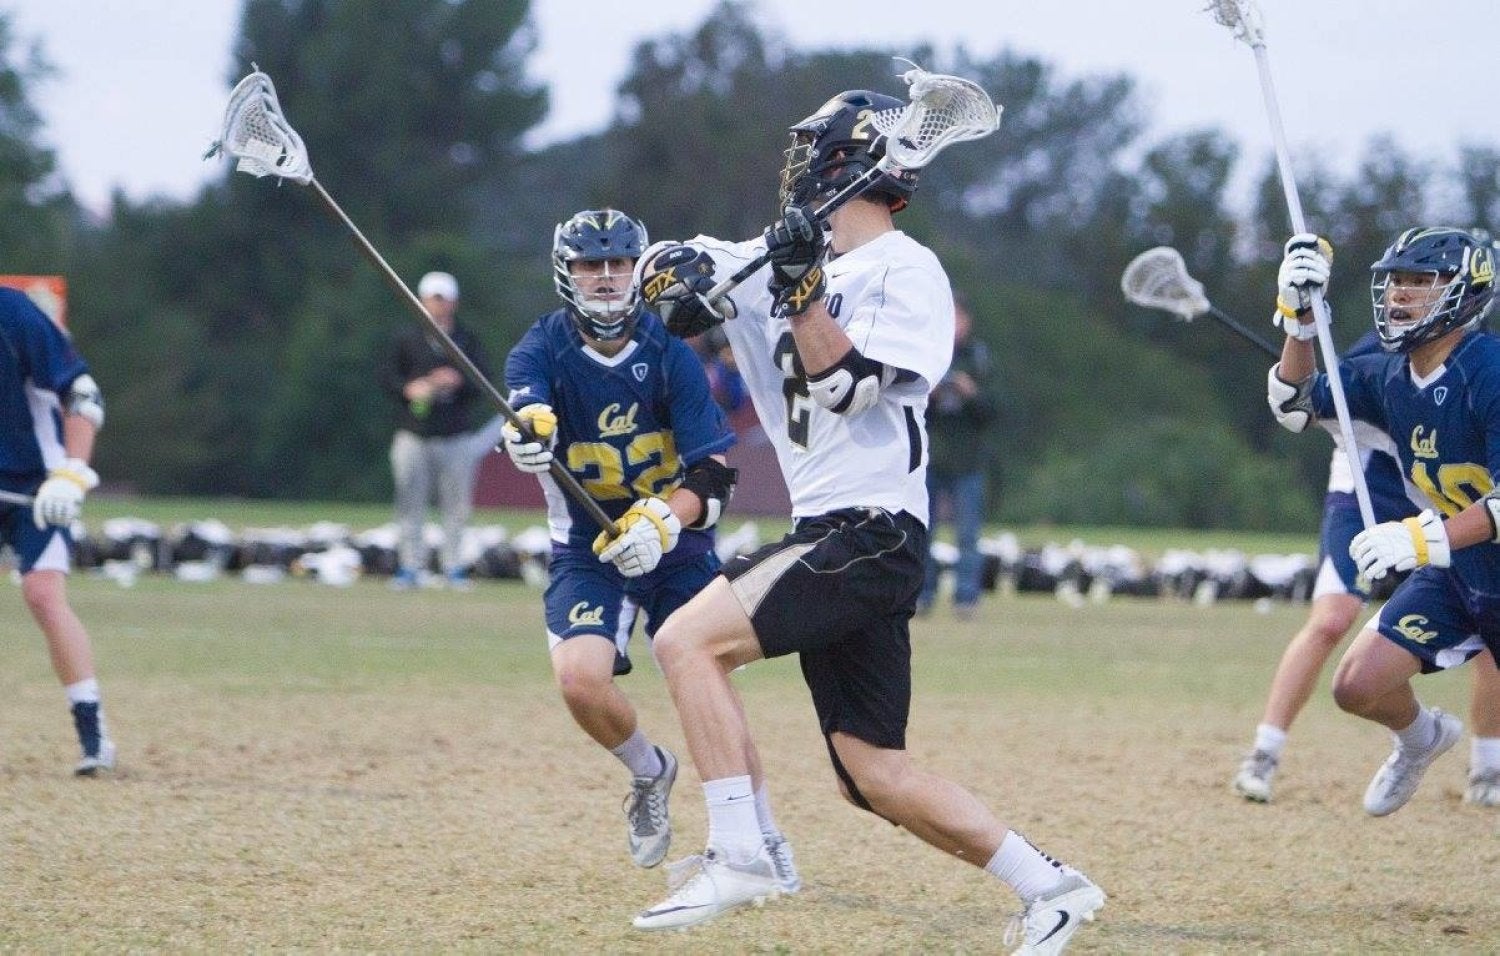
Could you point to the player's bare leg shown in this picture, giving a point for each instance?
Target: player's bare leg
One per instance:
(950, 818)
(1484, 723)
(46, 596)
(1328, 620)
(67, 640)
(697, 647)
(1373, 681)
(584, 669)
(932, 808)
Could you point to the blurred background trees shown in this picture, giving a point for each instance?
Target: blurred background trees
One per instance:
(238, 334)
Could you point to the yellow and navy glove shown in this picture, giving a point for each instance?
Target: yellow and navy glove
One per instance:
(646, 532)
(795, 247)
(531, 453)
(674, 281)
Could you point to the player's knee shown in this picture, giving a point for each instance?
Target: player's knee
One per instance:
(680, 646)
(580, 683)
(671, 646)
(1350, 692)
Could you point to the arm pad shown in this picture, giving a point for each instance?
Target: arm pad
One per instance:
(850, 385)
(86, 400)
(1290, 403)
(713, 482)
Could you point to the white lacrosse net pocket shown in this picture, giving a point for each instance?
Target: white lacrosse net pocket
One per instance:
(259, 137)
(1158, 279)
(943, 110)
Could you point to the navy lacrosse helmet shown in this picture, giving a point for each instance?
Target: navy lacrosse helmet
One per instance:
(605, 307)
(1463, 289)
(835, 145)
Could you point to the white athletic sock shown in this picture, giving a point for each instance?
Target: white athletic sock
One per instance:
(1027, 870)
(1270, 739)
(639, 755)
(763, 812)
(83, 692)
(1420, 733)
(1484, 754)
(733, 827)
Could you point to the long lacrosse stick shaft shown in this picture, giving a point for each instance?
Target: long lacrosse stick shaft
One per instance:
(15, 498)
(1235, 325)
(559, 473)
(1320, 307)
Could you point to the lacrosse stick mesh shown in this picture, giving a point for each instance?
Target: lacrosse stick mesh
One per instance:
(258, 136)
(1240, 16)
(943, 109)
(1158, 279)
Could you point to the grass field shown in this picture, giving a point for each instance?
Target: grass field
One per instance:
(314, 768)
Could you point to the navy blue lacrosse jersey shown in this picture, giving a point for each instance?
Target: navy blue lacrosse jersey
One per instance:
(1391, 497)
(629, 425)
(37, 366)
(1446, 429)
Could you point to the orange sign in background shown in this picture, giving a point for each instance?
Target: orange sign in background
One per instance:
(50, 293)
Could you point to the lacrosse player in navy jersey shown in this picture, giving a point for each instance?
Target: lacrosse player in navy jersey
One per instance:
(1339, 595)
(1436, 391)
(839, 357)
(627, 408)
(50, 411)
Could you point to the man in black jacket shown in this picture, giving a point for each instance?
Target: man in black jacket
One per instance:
(434, 448)
(960, 413)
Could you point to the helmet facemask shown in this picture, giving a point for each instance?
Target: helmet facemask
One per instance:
(1430, 282)
(593, 269)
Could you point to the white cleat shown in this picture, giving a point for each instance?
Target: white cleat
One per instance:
(706, 886)
(1484, 788)
(646, 813)
(104, 759)
(1253, 781)
(779, 849)
(1048, 923)
(1401, 774)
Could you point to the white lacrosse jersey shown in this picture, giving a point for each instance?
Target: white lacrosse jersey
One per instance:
(892, 298)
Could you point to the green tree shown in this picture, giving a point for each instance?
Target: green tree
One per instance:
(38, 218)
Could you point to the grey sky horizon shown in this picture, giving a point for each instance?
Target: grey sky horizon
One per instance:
(142, 83)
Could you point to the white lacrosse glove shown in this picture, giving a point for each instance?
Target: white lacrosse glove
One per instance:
(1401, 546)
(646, 532)
(531, 453)
(1307, 263)
(60, 498)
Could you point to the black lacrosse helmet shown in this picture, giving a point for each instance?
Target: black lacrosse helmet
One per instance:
(598, 235)
(1464, 288)
(835, 145)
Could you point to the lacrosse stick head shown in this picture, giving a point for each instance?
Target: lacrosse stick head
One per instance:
(257, 135)
(943, 110)
(859, 133)
(1159, 279)
(1242, 17)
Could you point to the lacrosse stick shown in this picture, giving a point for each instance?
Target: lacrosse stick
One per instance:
(943, 110)
(258, 136)
(14, 498)
(1159, 279)
(1243, 18)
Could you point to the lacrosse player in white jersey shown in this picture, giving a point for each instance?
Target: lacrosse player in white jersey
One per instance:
(839, 357)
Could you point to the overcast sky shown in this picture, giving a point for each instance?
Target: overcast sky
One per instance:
(142, 83)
